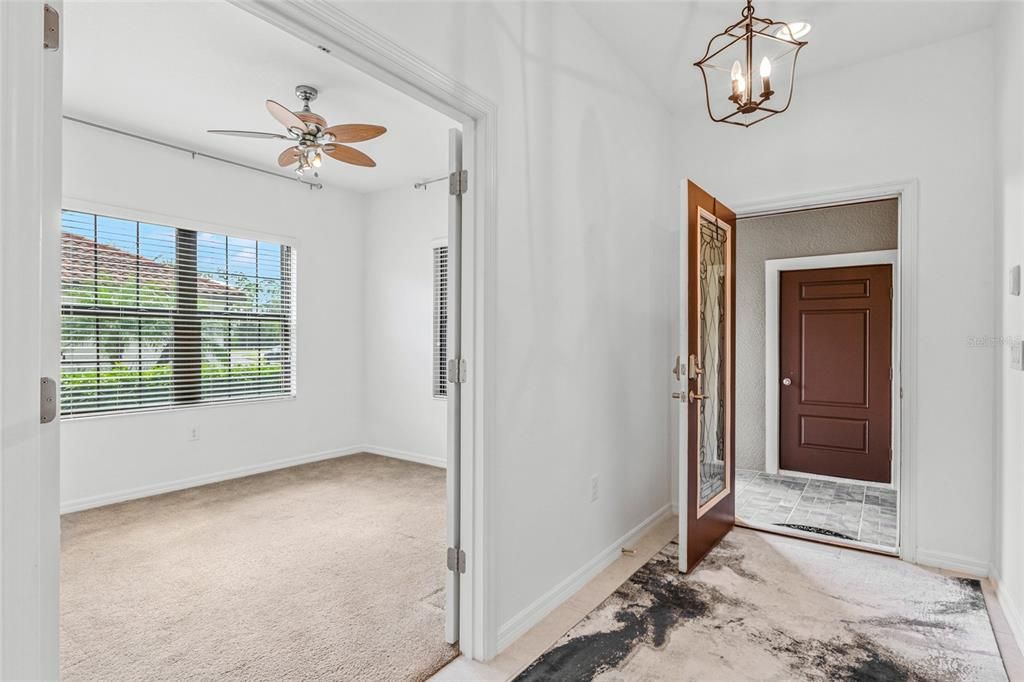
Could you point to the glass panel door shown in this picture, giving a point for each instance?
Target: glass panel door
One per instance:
(712, 363)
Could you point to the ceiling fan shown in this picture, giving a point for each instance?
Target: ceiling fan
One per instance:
(312, 136)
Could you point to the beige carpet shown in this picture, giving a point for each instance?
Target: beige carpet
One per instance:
(327, 571)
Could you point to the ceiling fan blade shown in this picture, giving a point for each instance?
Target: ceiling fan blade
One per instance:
(348, 155)
(249, 133)
(285, 116)
(355, 132)
(288, 156)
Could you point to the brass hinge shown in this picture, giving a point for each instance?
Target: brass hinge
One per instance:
(456, 560)
(458, 183)
(51, 28)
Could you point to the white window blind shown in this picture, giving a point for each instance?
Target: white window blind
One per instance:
(162, 317)
(440, 321)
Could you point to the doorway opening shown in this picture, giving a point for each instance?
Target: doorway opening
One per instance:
(262, 371)
(817, 373)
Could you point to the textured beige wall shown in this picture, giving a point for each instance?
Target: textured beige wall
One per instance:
(844, 229)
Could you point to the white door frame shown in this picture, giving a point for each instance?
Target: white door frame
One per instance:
(30, 184)
(772, 272)
(343, 36)
(905, 418)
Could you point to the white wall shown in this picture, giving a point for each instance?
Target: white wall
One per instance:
(1009, 560)
(109, 457)
(402, 415)
(895, 119)
(580, 286)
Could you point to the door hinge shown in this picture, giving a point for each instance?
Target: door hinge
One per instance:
(51, 28)
(456, 560)
(47, 400)
(890, 374)
(457, 370)
(458, 183)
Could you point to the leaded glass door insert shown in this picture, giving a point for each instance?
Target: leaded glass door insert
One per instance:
(711, 366)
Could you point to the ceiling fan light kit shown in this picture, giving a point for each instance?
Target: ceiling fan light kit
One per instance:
(313, 137)
(749, 68)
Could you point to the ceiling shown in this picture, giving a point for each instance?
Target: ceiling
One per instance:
(172, 70)
(660, 40)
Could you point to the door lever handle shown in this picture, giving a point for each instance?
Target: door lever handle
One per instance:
(697, 396)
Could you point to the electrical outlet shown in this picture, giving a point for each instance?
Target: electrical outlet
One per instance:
(595, 488)
(193, 433)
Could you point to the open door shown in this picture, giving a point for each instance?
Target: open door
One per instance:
(457, 185)
(30, 194)
(707, 376)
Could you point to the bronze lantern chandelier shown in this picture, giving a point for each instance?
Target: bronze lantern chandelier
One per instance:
(748, 70)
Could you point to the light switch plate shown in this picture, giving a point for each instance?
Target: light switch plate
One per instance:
(1015, 280)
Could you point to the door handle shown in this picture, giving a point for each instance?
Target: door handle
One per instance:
(697, 396)
(787, 381)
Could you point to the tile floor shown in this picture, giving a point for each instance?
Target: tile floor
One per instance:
(853, 511)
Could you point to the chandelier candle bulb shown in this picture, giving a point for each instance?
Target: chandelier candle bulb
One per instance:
(738, 86)
(766, 72)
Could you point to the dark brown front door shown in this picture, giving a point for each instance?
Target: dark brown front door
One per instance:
(710, 251)
(835, 354)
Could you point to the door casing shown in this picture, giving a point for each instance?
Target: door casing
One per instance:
(342, 35)
(905, 418)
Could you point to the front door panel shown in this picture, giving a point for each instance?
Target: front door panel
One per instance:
(835, 354)
(709, 470)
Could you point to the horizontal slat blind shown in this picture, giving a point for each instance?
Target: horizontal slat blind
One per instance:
(162, 317)
(440, 321)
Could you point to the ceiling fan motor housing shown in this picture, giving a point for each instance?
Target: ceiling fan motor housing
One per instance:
(307, 93)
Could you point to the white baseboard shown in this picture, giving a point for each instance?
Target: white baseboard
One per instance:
(407, 456)
(1011, 611)
(953, 562)
(553, 598)
(83, 503)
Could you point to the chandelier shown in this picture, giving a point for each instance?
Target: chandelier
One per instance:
(759, 56)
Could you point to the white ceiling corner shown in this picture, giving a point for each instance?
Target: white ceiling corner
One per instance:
(172, 70)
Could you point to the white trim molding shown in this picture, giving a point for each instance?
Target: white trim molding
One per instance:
(324, 25)
(518, 624)
(905, 418)
(773, 270)
(93, 501)
(953, 562)
(1011, 611)
(430, 460)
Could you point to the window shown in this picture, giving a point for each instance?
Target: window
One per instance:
(440, 321)
(159, 317)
